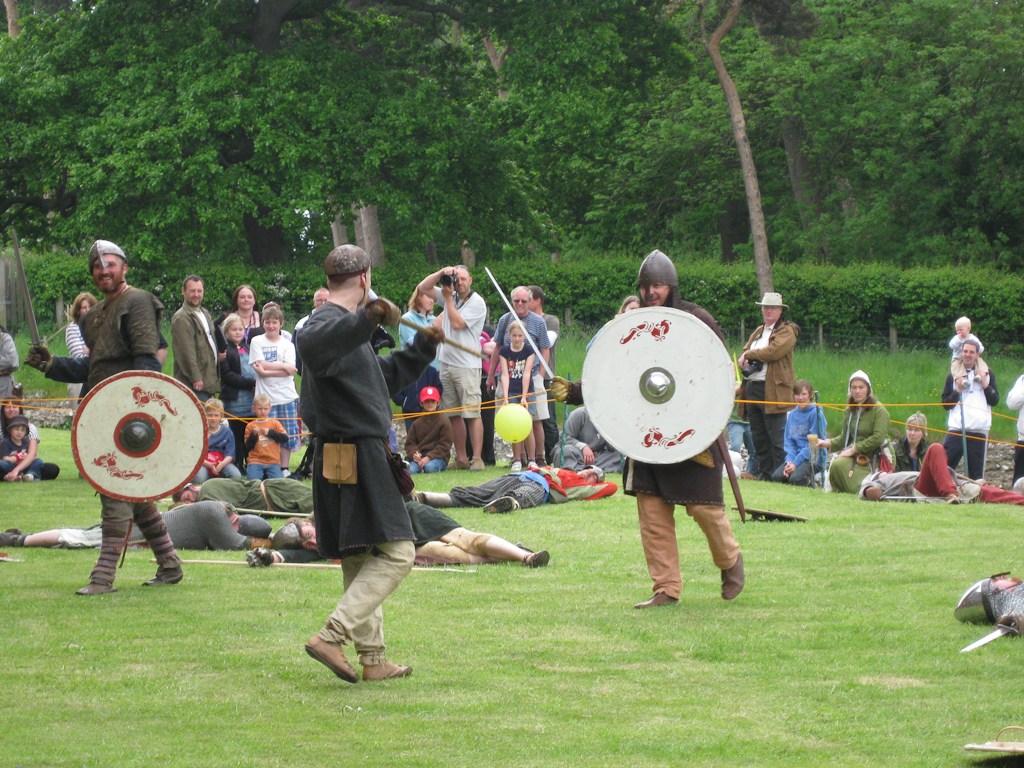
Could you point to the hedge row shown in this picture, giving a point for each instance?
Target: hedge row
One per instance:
(921, 303)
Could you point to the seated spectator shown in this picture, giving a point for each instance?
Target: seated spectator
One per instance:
(273, 495)
(865, 429)
(10, 410)
(584, 446)
(804, 420)
(263, 439)
(935, 482)
(910, 449)
(238, 383)
(523, 490)
(439, 541)
(220, 451)
(208, 525)
(428, 444)
(18, 459)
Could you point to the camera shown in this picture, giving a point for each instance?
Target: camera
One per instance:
(750, 370)
(447, 281)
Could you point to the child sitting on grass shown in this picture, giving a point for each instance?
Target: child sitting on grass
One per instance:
(956, 344)
(220, 450)
(428, 445)
(18, 459)
(263, 439)
(516, 362)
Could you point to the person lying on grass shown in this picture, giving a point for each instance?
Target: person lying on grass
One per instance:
(439, 541)
(936, 482)
(522, 490)
(209, 525)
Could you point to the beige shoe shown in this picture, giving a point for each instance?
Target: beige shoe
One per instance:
(97, 588)
(333, 657)
(385, 671)
(476, 465)
(660, 598)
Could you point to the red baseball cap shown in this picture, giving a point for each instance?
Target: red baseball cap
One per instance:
(430, 393)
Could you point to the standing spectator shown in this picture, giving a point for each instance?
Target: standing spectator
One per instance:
(428, 446)
(420, 312)
(73, 335)
(8, 364)
(538, 332)
(768, 378)
(516, 362)
(238, 382)
(806, 419)
(220, 451)
(969, 403)
(1015, 401)
(264, 437)
(196, 361)
(461, 320)
(910, 449)
(956, 347)
(243, 304)
(284, 334)
(865, 430)
(319, 297)
(273, 358)
(554, 330)
(123, 334)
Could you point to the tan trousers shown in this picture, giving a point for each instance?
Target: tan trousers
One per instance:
(658, 535)
(370, 577)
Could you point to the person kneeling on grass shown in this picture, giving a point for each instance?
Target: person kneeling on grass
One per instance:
(428, 444)
(439, 541)
(208, 525)
(522, 490)
(18, 459)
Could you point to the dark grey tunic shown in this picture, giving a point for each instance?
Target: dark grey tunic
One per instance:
(346, 391)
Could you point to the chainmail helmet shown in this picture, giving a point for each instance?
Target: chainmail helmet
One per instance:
(254, 526)
(103, 247)
(990, 599)
(346, 260)
(288, 536)
(657, 268)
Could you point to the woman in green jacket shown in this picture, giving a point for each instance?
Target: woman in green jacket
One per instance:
(865, 430)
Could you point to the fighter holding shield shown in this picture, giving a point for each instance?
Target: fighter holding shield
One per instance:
(695, 483)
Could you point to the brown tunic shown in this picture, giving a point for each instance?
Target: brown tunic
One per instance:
(119, 331)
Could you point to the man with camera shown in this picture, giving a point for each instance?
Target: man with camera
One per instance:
(768, 378)
(969, 403)
(462, 320)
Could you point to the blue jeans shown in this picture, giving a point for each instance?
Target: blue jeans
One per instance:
(35, 468)
(740, 436)
(262, 471)
(434, 465)
(229, 471)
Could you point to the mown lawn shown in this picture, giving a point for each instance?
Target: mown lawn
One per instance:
(841, 651)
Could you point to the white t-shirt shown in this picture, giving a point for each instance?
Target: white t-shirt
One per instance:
(280, 389)
(473, 312)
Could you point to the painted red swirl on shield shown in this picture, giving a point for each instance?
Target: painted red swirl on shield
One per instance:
(655, 438)
(142, 397)
(109, 462)
(657, 330)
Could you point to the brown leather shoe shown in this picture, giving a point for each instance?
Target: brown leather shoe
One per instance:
(96, 588)
(457, 464)
(333, 657)
(660, 598)
(732, 579)
(385, 671)
(537, 559)
(166, 574)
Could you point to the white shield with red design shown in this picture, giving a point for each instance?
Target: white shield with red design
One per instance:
(658, 385)
(139, 436)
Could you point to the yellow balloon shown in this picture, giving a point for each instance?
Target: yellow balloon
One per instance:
(513, 423)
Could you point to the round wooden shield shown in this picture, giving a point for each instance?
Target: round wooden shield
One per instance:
(139, 436)
(658, 385)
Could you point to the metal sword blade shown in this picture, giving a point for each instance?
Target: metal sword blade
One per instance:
(997, 632)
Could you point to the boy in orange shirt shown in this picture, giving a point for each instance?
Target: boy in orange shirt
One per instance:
(263, 439)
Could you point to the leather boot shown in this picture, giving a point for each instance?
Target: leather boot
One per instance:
(333, 657)
(732, 579)
(660, 598)
(385, 670)
(168, 573)
(96, 588)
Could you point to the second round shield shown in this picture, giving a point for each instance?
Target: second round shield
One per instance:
(139, 436)
(658, 385)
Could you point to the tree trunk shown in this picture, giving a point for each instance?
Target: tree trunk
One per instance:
(367, 227)
(11, 6)
(267, 245)
(339, 232)
(762, 261)
(733, 228)
(431, 253)
(497, 60)
(468, 256)
(266, 31)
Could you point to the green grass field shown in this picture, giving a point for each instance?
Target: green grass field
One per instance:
(841, 651)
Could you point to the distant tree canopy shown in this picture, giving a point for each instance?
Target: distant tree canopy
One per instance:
(238, 130)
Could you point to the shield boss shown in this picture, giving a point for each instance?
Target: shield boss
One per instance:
(658, 385)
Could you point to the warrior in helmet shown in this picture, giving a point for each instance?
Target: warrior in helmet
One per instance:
(122, 333)
(658, 488)
(357, 503)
